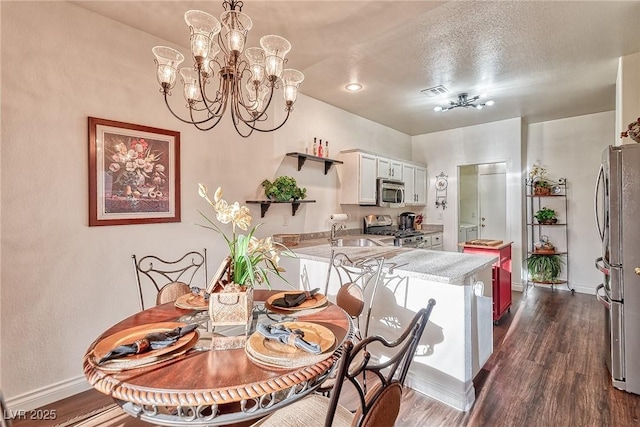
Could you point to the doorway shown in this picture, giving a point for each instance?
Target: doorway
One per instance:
(482, 201)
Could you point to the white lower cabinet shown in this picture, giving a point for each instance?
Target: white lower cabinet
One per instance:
(432, 242)
(436, 242)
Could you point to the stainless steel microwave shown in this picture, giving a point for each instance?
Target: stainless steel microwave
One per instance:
(390, 193)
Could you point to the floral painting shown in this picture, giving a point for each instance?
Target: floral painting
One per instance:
(134, 175)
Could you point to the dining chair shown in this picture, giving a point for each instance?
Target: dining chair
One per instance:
(358, 282)
(171, 279)
(377, 407)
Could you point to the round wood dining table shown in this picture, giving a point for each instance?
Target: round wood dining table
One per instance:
(207, 387)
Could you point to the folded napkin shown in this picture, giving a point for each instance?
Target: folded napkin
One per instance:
(200, 292)
(152, 341)
(294, 299)
(287, 336)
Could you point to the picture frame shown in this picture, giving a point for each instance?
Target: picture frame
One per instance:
(134, 174)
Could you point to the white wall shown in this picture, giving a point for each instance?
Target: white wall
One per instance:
(486, 143)
(468, 194)
(63, 283)
(343, 131)
(571, 148)
(627, 95)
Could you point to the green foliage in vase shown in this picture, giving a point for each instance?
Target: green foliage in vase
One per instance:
(251, 260)
(544, 268)
(283, 189)
(545, 214)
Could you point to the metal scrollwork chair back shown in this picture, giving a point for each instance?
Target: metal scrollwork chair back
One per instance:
(379, 403)
(358, 283)
(170, 278)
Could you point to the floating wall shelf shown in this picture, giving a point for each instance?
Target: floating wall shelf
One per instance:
(265, 204)
(302, 157)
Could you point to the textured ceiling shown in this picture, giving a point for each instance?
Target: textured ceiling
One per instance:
(541, 60)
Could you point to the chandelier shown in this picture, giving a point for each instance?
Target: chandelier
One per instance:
(246, 78)
(466, 102)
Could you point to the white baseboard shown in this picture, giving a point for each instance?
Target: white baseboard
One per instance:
(560, 287)
(446, 390)
(49, 394)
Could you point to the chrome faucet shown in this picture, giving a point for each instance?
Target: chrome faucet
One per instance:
(335, 229)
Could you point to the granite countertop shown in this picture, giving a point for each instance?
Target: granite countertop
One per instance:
(437, 266)
(314, 239)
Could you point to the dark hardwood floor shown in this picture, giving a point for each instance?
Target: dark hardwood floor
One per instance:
(547, 369)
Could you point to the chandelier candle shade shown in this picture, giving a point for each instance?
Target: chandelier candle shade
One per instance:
(218, 49)
(466, 102)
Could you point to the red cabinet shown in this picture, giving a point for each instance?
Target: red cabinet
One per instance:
(501, 275)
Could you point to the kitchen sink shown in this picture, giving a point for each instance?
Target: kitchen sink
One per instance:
(361, 242)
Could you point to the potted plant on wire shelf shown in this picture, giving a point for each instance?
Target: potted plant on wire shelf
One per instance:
(546, 216)
(544, 268)
(539, 181)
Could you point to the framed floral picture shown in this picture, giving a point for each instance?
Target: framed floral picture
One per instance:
(134, 174)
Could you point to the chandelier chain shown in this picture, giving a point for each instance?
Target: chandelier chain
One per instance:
(233, 4)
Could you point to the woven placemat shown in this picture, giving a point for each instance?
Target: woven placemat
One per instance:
(125, 363)
(276, 354)
(298, 313)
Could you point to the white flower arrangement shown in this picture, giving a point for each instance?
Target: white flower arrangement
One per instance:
(252, 259)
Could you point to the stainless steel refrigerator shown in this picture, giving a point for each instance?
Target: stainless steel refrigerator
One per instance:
(617, 208)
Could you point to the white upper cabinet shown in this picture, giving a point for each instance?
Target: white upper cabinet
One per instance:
(361, 169)
(359, 173)
(409, 172)
(420, 186)
(415, 184)
(389, 169)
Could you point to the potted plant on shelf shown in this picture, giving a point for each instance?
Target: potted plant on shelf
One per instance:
(544, 268)
(283, 189)
(546, 216)
(539, 181)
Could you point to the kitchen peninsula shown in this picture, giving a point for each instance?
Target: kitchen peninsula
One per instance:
(459, 337)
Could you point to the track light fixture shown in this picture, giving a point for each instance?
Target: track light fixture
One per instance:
(466, 102)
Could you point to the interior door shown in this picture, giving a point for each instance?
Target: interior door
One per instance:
(492, 199)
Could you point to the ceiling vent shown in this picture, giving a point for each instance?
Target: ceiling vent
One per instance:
(434, 91)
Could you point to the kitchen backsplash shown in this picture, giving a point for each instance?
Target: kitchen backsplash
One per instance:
(426, 228)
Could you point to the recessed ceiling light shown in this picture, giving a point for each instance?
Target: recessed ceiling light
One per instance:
(353, 87)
